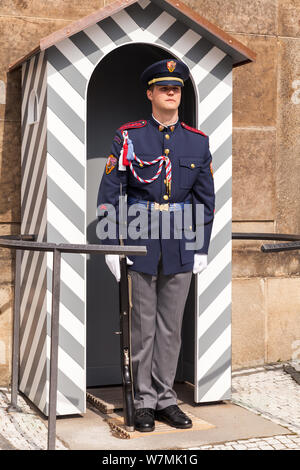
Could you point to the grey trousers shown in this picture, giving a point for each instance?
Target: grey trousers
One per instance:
(157, 310)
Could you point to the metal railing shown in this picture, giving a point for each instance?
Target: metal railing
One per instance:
(27, 242)
(294, 240)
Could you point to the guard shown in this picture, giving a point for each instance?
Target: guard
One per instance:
(164, 167)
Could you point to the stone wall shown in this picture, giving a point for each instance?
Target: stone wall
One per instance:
(266, 169)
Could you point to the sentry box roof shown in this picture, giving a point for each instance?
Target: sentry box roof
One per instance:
(239, 53)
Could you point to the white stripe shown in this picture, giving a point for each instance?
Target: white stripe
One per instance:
(37, 333)
(40, 236)
(124, 20)
(214, 267)
(65, 407)
(66, 183)
(23, 72)
(76, 57)
(222, 217)
(44, 397)
(100, 38)
(41, 104)
(70, 323)
(39, 370)
(63, 225)
(65, 136)
(42, 188)
(220, 134)
(207, 63)
(215, 98)
(26, 90)
(33, 305)
(221, 385)
(161, 24)
(214, 310)
(33, 177)
(68, 366)
(185, 43)
(66, 91)
(223, 173)
(213, 353)
(72, 279)
(36, 80)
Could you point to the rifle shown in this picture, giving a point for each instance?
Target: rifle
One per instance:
(125, 336)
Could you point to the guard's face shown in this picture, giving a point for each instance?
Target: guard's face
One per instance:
(165, 97)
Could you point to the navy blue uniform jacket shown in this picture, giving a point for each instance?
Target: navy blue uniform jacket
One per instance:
(192, 180)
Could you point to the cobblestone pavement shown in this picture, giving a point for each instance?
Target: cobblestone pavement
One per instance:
(273, 394)
(22, 430)
(267, 390)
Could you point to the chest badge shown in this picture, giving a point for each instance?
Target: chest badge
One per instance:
(171, 65)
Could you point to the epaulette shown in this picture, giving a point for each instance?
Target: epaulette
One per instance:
(192, 129)
(132, 125)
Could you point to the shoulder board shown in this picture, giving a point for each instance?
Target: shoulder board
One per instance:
(132, 125)
(192, 129)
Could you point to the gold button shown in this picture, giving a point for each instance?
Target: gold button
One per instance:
(161, 128)
(192, 165)
(167, 136)
(167, 151)
(166, 197)
(141, 164)
(172, 128)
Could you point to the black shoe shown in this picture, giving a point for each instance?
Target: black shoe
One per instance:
(144, 420)
(173, 416)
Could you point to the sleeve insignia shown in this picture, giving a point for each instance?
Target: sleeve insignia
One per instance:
(117, 139)
(110, 164)
(211, 169)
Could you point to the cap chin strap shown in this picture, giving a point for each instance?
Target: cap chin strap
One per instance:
(160, 79)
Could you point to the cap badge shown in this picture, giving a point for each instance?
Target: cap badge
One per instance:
(171, 65)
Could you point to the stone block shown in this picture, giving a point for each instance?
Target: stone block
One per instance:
(10, 163)
(283, 318)
(289, 18)
(68, 9)
(248, 316)
(255, 84)
(255, 17)
(19, 35)
(255, 263)
(253, 169)
(10, 95)
(288, 147)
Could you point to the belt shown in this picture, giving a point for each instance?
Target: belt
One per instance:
(168, 206)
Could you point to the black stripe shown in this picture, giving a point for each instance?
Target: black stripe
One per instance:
(87, 46)
(174, 33)
(144, 17)
(113, 30)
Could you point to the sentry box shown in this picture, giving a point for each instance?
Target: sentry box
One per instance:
(78, 86)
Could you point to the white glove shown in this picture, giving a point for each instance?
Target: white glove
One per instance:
(200, 263)
(113, 262)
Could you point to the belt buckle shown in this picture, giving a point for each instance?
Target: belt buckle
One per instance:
(161, 207)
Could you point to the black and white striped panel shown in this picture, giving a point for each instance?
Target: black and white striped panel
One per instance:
(70, 64)
(33, 343)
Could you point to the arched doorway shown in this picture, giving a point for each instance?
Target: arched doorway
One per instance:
(115, 96)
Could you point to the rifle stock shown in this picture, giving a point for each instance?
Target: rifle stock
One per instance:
(125, 324)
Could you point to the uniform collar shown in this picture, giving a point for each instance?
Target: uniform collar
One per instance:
(162, 127)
